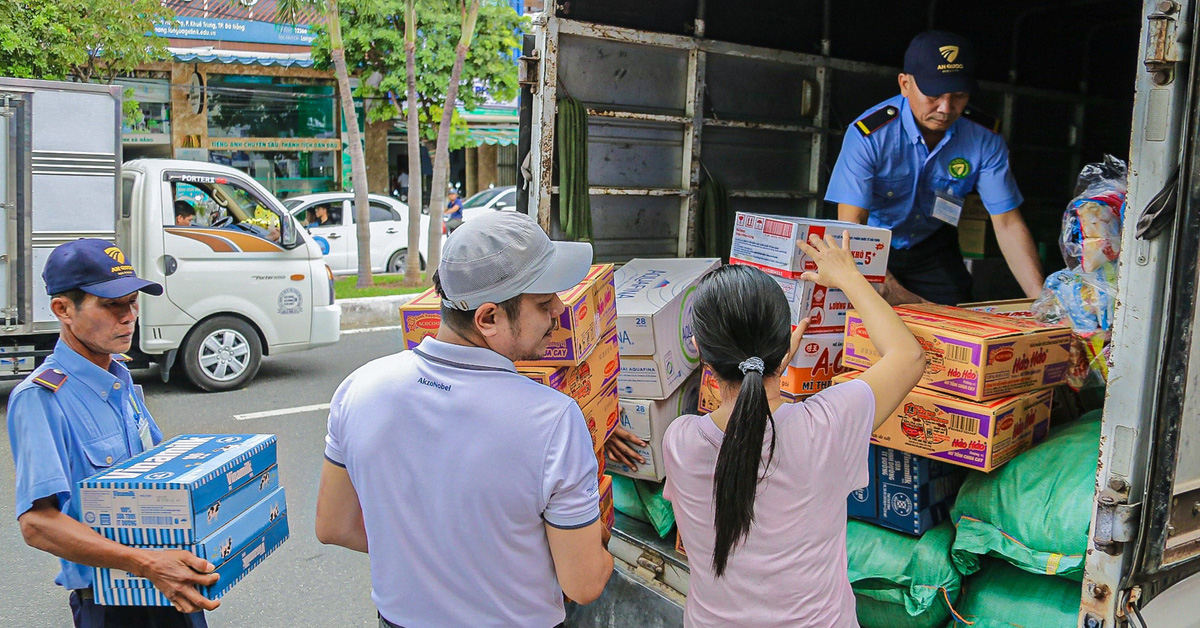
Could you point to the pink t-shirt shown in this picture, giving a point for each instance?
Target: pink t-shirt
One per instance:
(791, 569)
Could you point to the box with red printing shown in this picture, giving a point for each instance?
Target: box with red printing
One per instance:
(583, 381)
(602, 415)
(607, 513)
(600, 278)
(420, 317)
(817, 360)
(972, 354)
(710, 391)
(769, 243)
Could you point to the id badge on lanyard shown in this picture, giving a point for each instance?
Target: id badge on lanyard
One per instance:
(143, 423)
(947, 208)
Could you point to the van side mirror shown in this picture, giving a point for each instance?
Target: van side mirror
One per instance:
(500, 205)
(289, 234)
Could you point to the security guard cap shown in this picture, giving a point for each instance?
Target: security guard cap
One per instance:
(941, 63)
(96, 267)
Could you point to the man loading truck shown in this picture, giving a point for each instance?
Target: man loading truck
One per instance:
(907, 165)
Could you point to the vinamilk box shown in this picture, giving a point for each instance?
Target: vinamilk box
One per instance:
(976, 435)
(972, 354)
(162, 496)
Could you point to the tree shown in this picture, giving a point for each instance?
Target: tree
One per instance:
(379, 40)
(87, 40)
(290, 11)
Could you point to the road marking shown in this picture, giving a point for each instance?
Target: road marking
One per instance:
(370, 329)
(280, 412)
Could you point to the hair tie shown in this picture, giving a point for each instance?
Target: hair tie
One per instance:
(752, 364)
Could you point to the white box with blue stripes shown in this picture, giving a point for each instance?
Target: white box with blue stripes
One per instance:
(215, 495)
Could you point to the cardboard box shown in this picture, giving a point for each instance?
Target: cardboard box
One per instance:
(972, 354)
(584, 381)
(976, 435)
(577, 333)
(231, 572)
(607, 512)
(975, 237)
(769, 242)
(420, 317)
(914, 492)
(602, 278)
(216, 548)
(710, 391)
(679, 543)
(162, 496)
(863, 503)
(654, 324)
(601, 461)
(648, 419)
(602, 415)
(817, 360)
(1010, 308)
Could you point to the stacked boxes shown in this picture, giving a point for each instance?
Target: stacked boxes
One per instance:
(654, 314)
(906, 493)
(608, 514)
(648, 419)
(817, 360)
(769, 244)
(217, 496)
(710, 392)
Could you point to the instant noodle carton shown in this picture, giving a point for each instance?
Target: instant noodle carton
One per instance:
(811, 370)
(584, 381)
(602, 415)
(602, 277)
(654, 324)
(601, 462)
(216, 548)
(648, 419)
(577, 332)
(607, 513)
(1010, 308)
(181, 490)
(679, 543)
(972, 354)
(420, 317)
(976, 435)
(769, 243)
(710, 391)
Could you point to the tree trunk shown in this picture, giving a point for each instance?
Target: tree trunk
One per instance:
(412, 271)
(358, 161)
(441, 159)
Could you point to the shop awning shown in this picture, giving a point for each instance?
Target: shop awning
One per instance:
(243, 59)
(493, 136)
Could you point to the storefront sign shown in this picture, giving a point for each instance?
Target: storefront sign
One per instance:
(303, 144)
(236, 30)
(145, 138)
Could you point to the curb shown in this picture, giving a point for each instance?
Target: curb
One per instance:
(372, 311)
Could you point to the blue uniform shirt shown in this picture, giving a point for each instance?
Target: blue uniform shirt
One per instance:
(454, 209)
(59, 438)
(896, 178)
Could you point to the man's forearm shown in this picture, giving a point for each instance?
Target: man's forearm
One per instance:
(49, 530)
(1016, 243)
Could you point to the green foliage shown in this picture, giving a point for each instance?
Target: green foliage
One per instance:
(373, 33)
(89, 40)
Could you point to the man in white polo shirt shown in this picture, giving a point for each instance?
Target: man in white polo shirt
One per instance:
(480, 495)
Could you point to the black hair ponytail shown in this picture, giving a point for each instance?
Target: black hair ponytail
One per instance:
(741, 323)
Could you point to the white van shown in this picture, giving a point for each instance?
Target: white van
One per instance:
(242, 279)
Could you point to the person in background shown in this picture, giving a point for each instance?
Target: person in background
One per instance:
(758, 486)
(908, 164)
(479, 487)
(78, 414)
(317, 216)
(185, 214)
(454, 211)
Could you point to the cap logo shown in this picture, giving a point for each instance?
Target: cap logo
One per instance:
(116, 254)
(949, 53)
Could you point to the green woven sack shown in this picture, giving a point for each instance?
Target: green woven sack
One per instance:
(901, 581)
(643, 500)
(1002, 596)
(1034, 511)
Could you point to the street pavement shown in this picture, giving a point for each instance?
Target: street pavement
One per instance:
(304, 583)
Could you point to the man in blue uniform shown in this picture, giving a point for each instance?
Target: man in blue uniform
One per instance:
(80, 413)
(908, 163)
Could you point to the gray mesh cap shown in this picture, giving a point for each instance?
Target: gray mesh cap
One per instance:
(504, 254)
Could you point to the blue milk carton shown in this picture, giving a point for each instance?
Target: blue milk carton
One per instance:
(180, 491)
(217, 548)
(914, 493)
(864, 502)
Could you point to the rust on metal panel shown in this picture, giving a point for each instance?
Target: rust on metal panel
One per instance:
(626, 35)
(633, 115)
(549, 98)
(690, 171)
(763, 126)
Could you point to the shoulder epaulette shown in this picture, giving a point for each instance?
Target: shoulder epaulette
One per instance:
(983, 119)
(121, 357)
(50, 379)
(877, 119)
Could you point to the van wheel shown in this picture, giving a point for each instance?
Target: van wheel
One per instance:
(400, 260)
(222, 353)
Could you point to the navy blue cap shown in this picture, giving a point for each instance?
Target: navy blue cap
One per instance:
(96, 267)
(941, 63)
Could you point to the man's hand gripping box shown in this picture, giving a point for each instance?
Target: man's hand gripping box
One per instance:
(163, 496)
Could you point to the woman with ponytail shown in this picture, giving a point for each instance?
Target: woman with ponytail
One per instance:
(759, 486)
